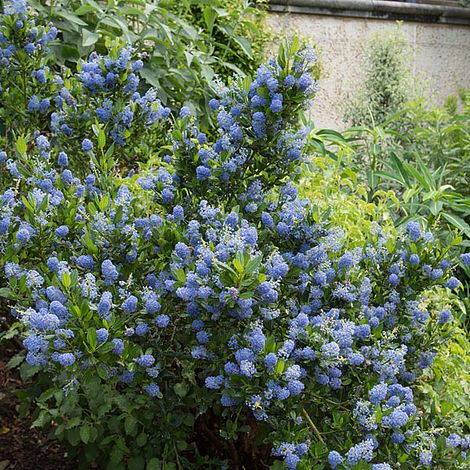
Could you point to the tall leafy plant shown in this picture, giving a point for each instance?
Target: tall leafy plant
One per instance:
(187, 43)
(386, 82)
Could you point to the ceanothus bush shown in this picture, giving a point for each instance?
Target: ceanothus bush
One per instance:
(198, 312)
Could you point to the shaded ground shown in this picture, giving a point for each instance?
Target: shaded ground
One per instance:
(23, 448)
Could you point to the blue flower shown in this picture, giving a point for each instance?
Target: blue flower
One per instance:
(62, 159)
(378, 393)
(182, 250)
(118, 346)
(397, 438)
(414, 230)
(346, 261)
(259, 124)
(361, 451)
(394, 280)
(454, 440)
(145, 360)
(162, 321)
(23, 236)
(152, 305)
(335, 459)
(152, 389)
(130, 304)
(65, 359)
(109, 270)
(102, 335)
(295, 387)
(185, 112)
(270, 361)
(214, 382)
(425, 457)
(396, 419)
(203, 173)
(452, 283)
(267, 219)
(267, 292)
(330, 350)
(213, 104)
(436, 274)
(105, 304)
(444, 316)
(87, 145)
(85, 261)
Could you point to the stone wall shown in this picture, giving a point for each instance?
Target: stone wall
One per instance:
(441, 56)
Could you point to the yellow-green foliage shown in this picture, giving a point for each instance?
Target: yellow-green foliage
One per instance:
(337, 190)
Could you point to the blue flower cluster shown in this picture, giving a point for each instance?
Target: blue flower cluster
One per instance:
(108, 89)
(104, 94)
(214, 263)
(257, 140)
(24, 77)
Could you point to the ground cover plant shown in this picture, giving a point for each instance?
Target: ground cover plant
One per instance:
(180, 304)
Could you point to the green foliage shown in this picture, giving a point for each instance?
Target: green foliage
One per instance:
(439, 135)
(187, 42)
(423, 154)
(386, 81)
(445, 389)
(334, 186)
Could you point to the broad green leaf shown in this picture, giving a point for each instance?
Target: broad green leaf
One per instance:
(458, 222)
(66, 280)
(21, 146)
(89, 38)
(85, 433)
(71, 17)
(209, 17)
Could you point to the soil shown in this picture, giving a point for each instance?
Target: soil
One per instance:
(23, 447)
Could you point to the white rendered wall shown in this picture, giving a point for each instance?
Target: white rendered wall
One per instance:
(441, 56)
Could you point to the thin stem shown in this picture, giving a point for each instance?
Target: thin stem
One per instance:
(312, 424)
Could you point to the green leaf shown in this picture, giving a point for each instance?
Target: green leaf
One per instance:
(245, 45)
(141, 439)
(16, 360)
(458, 222)
(209, 17)
(136, 463)
(6, 293)
(153, 464)
(91, 337)
(130, 425)
(21, 146)
(89, 38)
(281, 364)
(104, 202)
(180, 389)
(101, 139)
(180, 275)
(72, 18)
(84, 9)
(66, 280)
(85, 433)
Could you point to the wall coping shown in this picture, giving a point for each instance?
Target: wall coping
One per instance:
(376, 9)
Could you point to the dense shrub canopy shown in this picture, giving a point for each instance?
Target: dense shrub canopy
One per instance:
(185, 304)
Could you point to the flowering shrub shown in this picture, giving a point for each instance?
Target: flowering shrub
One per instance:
(211, 316)
(102, 98)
